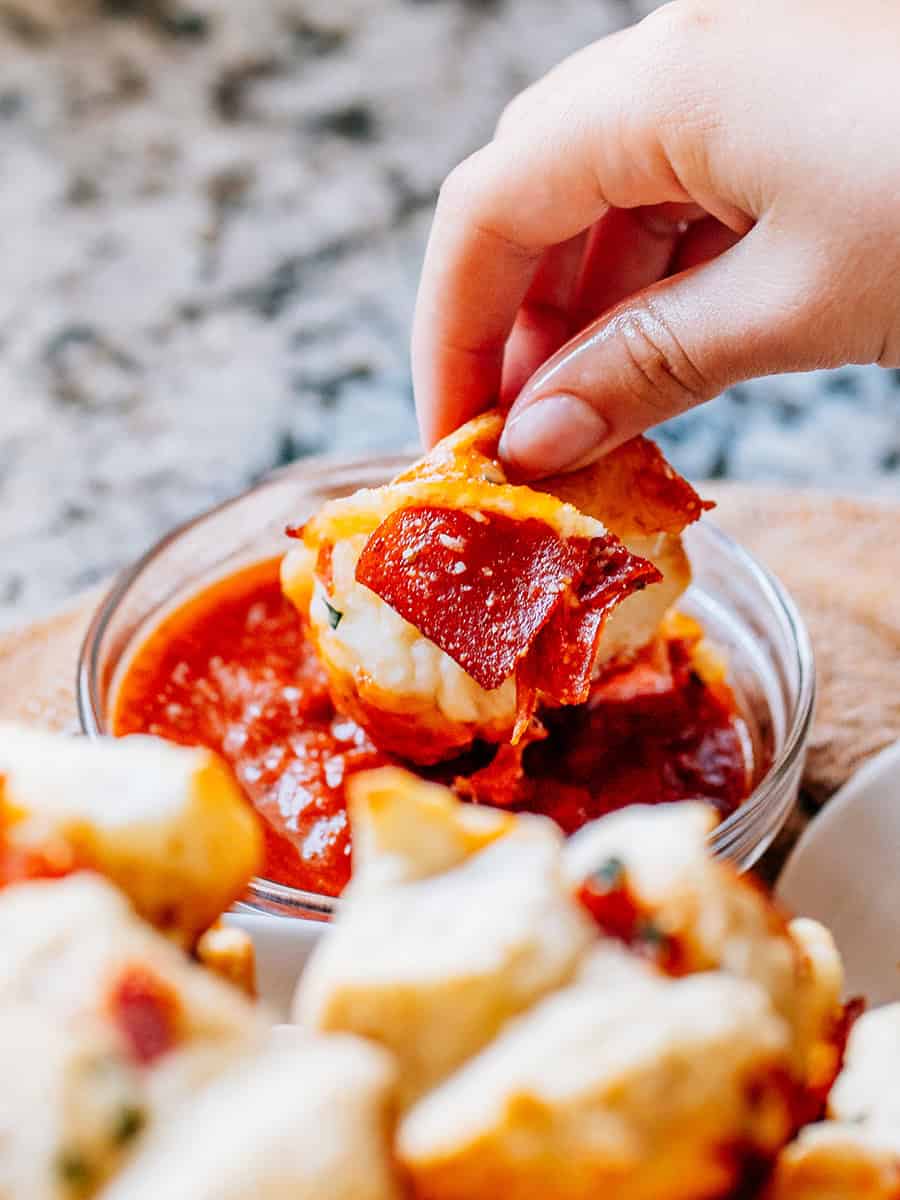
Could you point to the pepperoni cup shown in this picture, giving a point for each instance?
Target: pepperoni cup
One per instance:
(137, 673)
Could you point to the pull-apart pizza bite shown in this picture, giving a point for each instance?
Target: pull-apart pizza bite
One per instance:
(835, 1161)
(72, 1105)
(74, 950)
(663, 1049)
(856, 1154)
(167, 824)
(313, 1122)
(867, 1090)
(456, 919)
(448, 604)
(230, 953)
(494, 1014)
(647, 876)
(636, 1088)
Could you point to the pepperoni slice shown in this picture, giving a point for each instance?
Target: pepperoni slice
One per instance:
(481, 586)
(487, 589)
(562, 660)
(618, 914)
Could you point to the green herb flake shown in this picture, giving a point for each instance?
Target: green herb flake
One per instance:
(651, 935)
(74, 1171)
(129, 1123)
(334, 616)
(609, 874)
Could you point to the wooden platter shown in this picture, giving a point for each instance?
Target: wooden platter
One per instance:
(839, 557)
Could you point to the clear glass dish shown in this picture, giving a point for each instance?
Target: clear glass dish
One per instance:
(743, 608)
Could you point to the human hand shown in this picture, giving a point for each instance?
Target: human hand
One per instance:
(711, 195)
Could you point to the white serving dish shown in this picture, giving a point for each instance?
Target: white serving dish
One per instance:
(845, 872)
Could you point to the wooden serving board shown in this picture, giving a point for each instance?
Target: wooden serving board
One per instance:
(839, 557)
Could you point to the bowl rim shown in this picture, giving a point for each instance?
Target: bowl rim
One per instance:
(726, 838)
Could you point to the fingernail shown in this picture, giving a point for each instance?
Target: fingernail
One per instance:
(553, 434)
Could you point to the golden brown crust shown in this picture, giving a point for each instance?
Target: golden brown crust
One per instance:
(633, 490)
(229, 953)
(834, 1162)
(468, 453)
(168, 825)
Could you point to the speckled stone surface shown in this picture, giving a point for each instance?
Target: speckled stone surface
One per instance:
(211, 221)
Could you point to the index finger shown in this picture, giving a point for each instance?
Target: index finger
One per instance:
(490, 230)
(578, 148)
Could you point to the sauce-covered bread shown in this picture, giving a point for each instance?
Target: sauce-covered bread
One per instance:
(448, 604)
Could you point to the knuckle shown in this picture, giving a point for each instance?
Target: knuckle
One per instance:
(680, 54)
(681, 21)
(473, 197)
(889, 351)
(514, 113)
(661, 373)
(681, 95)
(462, 185)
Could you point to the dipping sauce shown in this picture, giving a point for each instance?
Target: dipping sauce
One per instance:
(232, 670)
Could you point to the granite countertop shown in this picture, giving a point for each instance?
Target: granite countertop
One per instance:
(211, 219)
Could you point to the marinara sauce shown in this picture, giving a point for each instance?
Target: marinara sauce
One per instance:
(233, 670)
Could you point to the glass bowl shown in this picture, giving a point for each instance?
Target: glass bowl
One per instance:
(743, 608)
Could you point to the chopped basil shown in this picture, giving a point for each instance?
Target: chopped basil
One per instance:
(129, 1123)
(74, 1171)
(651, 935)
(610, 873)
(334, 616)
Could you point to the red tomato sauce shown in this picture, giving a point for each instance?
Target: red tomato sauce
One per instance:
(232, 670)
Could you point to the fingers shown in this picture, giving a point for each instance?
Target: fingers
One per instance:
(544, 322)
(705, 240)
(624, 252)
(535, 187)
(672, 346)
(629, 249)
(480, 263)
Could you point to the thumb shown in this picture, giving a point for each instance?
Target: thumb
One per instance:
(662, 351)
